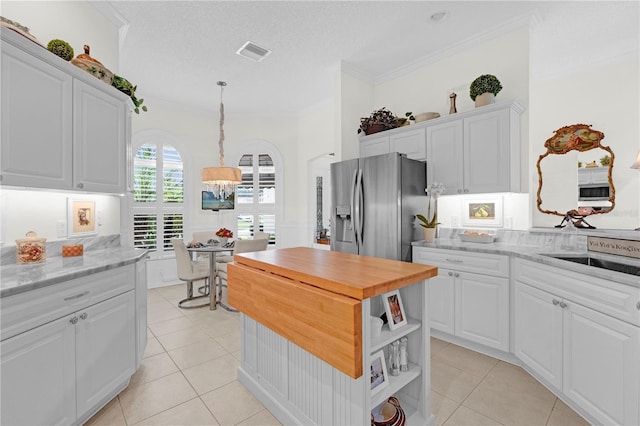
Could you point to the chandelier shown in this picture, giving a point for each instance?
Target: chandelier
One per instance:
(221, 179)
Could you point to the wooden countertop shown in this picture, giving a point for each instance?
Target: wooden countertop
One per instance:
(356, 276)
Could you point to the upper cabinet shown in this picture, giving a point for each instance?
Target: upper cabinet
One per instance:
(473, 152)
(61, 127)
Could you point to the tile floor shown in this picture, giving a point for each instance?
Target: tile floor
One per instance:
(188, 377)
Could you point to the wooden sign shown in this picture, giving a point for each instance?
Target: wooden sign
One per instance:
(615, 246)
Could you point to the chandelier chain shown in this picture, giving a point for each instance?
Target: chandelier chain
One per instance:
(221, 141)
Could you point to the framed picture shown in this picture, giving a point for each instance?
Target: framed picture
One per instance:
(482, 211)
(379, 376)
(396, 316)
(81, 217)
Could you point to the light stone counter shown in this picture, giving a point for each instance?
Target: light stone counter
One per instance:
(534, 247)
(98, 256)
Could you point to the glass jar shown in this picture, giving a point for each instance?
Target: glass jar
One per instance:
(404, 363)
(395, 358)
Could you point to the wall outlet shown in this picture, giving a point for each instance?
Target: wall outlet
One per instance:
(61, 228)
(455, 221)
(508, 222)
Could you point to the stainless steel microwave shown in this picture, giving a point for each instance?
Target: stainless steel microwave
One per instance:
(593, 192)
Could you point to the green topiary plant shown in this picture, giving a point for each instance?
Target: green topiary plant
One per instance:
(60, 48)
(123, 85)
(605, 161)
(486, 83)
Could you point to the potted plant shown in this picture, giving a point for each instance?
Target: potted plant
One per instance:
(123, 85)
(224, 234)
(484, 89)
(379, 120)
(430, 221)
(605, 160)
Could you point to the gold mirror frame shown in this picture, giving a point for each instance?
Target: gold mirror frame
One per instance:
(577, 137)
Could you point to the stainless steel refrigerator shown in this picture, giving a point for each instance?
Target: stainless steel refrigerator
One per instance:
(374, 201)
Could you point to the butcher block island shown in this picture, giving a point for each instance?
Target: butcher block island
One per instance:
(308, 346)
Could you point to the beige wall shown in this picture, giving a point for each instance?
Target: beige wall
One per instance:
(76, 22)
(605, 97)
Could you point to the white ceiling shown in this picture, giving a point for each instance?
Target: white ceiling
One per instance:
(176, 51)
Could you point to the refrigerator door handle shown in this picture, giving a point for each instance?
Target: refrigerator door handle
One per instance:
(360, 186)
(352, 202)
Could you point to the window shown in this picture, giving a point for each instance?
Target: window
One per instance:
(256, 196)
(158, 197)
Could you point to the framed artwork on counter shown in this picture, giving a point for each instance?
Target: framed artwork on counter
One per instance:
(396, 316)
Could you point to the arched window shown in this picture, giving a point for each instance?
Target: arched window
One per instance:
(158, 196)
(256, 196)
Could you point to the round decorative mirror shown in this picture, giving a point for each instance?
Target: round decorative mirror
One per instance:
(575, 196)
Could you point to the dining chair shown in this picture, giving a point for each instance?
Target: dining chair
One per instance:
(239, 246)
(204, 236)
(191, 271)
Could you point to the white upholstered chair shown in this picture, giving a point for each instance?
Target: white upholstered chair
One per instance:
(190, 271)
(239, 246)
(204, 236)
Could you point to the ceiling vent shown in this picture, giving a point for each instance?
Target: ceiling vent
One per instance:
(253, 51)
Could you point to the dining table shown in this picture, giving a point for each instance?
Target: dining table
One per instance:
(212, 251)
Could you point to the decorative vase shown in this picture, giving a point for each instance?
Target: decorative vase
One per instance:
(452, 100)
(485, 99)
(429, 234)
(223, 240)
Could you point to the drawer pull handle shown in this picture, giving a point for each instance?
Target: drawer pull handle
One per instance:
(555, 301)
(638, 305)
(563, 305)
(77, 296)
(456, 275)
(73, 320)
(454, 260)
(83, 316)
(450, 274)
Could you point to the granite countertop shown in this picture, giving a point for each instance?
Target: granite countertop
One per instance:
(16, 279)
(536, 253)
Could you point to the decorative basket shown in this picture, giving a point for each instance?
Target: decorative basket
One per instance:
(92, 66)
(73, 250)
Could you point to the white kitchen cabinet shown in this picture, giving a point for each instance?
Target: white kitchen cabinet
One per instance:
(477, 153)
(410, 142)
(593, 176)
(38, 375)
(36, 121)
(141, 309)
(470, 296)
(70, 347)
(61, 127)
(375, 145)
(99, 140)
(104, 350)
(589, 356)
(67, 366)
(445, 156)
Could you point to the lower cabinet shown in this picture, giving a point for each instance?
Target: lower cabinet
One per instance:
(55, 373)
(470, 296)
(590, 357)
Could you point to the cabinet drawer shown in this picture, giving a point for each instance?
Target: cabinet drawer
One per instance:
(616, 300)
(27, 310)
(480, 263)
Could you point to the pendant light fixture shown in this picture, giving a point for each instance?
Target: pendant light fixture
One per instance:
(221, 179)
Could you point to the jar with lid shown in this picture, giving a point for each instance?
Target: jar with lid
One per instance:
(32, 249)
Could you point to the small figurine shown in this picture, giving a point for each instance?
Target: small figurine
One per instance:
(452, 99)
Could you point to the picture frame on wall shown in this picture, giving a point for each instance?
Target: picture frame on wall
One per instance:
(482, 211)
(81, 217)
(378, 373)
(396, 316)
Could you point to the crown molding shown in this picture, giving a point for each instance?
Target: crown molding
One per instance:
(469, 42)
(118, 21)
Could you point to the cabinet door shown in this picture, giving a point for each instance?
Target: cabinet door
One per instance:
(482, 309)
(441, 291)
(601, 365)
(141, 310)
(538, 332)
(38, 376)
(105, 349)
(35, 155)
(444, 156)
(486, 153)
(411, 142)
(99, 140)
(376, 146)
